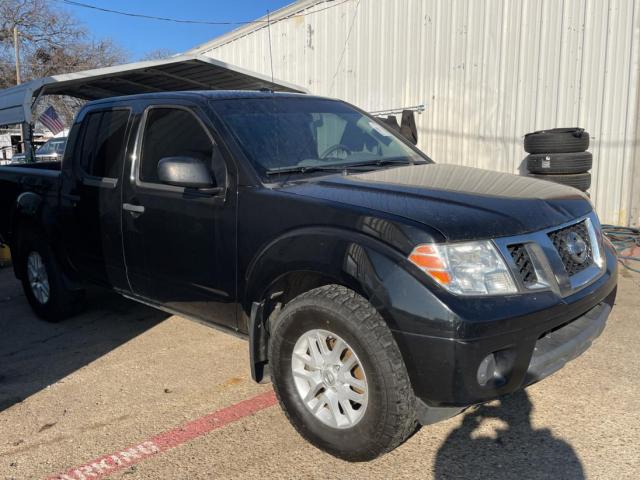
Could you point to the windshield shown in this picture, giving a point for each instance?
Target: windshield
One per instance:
(53, 146)
(283, 134)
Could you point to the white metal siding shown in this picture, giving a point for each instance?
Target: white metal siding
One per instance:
(489, 72)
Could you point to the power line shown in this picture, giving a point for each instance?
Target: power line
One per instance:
(188, 21)
(344, 48)
(151, 17)
(270, 51)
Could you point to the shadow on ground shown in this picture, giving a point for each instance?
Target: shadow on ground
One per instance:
(517, 450)
(35, 354)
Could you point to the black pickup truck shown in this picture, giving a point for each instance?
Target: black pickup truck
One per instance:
(378, 290)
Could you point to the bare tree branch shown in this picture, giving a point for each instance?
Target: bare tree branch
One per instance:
(51, 42)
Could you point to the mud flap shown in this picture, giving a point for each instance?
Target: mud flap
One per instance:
(258, 345)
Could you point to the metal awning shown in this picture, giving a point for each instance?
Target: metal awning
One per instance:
(182, 72)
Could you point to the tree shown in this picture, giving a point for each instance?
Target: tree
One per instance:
(158, 54)
(51, 42)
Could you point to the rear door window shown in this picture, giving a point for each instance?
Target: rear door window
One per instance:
(103, 143)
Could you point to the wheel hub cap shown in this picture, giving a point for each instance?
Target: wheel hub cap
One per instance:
(329, 378)
(38, 278)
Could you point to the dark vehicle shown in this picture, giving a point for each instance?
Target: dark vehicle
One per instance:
(51, 151)
(378, 290)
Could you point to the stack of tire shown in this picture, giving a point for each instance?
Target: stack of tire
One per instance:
(560, 155)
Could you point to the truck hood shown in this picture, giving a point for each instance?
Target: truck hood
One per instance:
(463, 203)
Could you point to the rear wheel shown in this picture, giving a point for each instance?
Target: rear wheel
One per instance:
(43, 281)
(339, 375)
(38, 277)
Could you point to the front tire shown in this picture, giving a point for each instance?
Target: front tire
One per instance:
(43, 281)
(339, 375)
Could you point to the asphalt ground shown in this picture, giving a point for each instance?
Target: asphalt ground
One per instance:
(126, 392)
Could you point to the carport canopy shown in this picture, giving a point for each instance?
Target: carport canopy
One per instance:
(182, 72)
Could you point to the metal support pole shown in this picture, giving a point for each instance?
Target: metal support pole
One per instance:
(392, 111)
(25, 129)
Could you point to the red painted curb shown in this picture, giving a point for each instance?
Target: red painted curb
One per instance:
(121, 459)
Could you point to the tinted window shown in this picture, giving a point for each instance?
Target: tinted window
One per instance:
(90, 128)
(103, 142)
(172, 132)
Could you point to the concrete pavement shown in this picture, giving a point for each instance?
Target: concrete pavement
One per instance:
(121, 374)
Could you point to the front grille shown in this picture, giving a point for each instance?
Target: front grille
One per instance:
(564, 239)
(521, 258)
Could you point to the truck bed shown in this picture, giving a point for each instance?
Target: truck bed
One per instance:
(54, 166)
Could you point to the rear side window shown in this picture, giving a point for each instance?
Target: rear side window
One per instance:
(173, 132)
(103, 143)
(90, 129)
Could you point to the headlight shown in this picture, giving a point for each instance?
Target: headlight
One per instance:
(473, 268)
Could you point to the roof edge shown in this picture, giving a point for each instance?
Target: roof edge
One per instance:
(276, 16)
(186, 57)
(16, 103)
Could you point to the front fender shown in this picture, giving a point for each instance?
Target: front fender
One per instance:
(374, 269)
(321, 250)
(380, 273)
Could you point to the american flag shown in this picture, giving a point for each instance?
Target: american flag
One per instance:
(51, 120)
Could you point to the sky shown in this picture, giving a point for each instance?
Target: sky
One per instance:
(138, 36)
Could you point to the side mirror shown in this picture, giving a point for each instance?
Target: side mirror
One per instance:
(184, 172)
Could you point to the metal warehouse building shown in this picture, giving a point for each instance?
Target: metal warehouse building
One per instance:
(488, 71)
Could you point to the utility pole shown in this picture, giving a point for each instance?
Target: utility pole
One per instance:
(16, 47)
(25, 128)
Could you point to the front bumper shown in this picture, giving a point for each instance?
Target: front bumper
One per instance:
(524, 339)
(556, 348)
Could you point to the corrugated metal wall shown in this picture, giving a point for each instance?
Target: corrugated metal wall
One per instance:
(488, 71)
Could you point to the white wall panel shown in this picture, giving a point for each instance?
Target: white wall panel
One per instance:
(489, 72)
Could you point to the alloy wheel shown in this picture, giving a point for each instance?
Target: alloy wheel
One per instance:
(330, 378)
(38, 277)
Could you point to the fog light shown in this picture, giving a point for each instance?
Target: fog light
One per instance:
(487, 370)
(495, 369)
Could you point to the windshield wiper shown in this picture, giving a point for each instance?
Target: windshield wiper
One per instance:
(382, 162)
(342, 167)
(307, 169)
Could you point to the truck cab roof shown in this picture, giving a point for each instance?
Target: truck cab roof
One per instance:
(202, 95)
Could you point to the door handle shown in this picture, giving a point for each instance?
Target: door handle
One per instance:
(135, 210)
